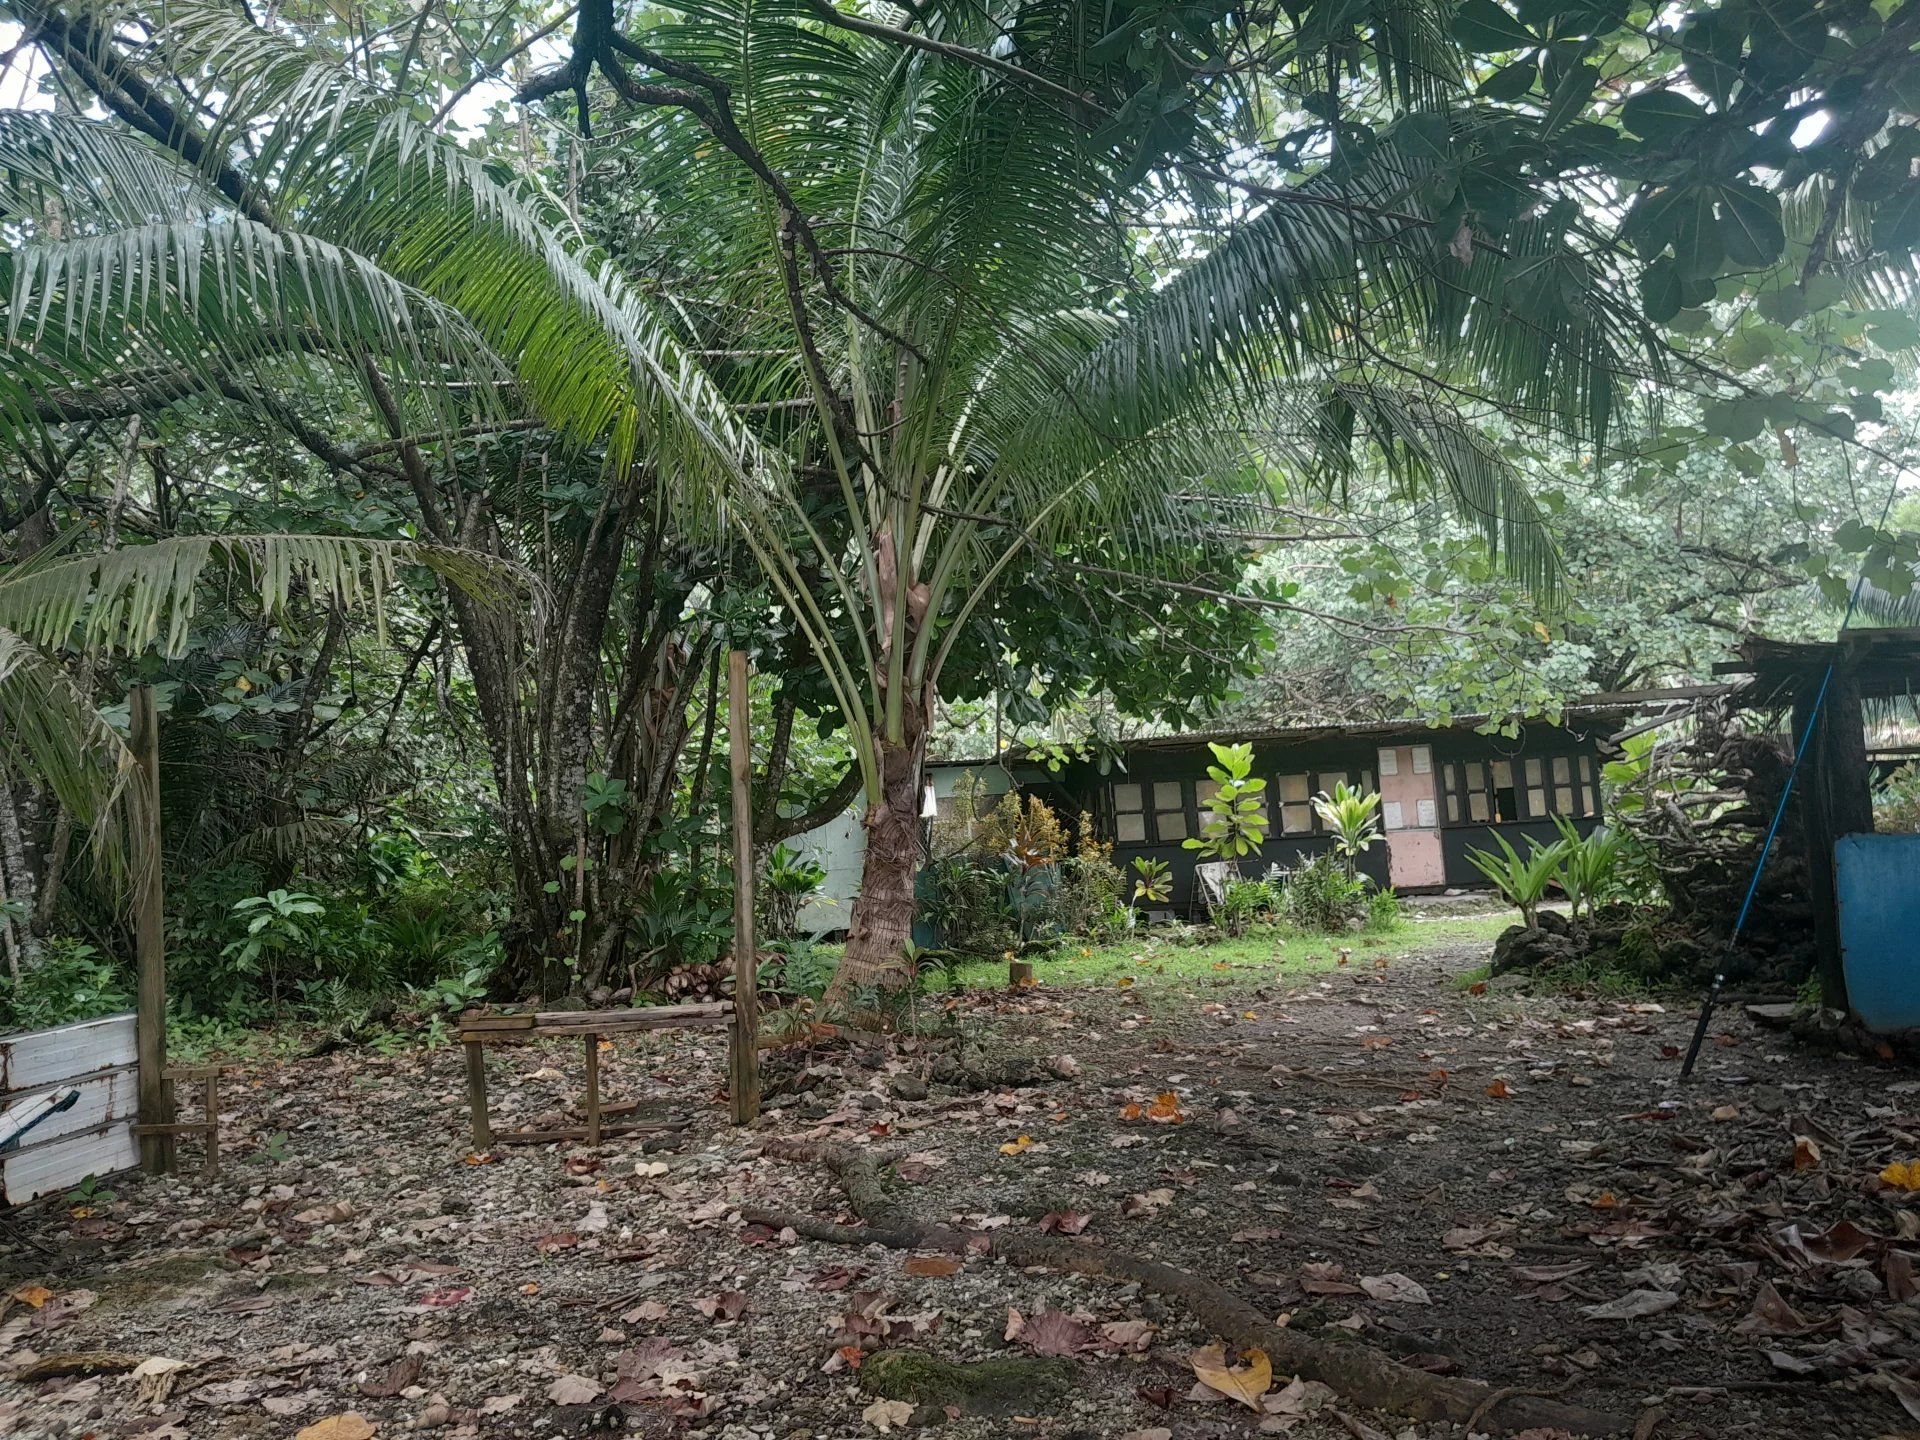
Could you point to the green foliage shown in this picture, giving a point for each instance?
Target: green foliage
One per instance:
(1589, 864)
(792, 879)
(1236, 820)
(1349, 815)
(1319, 895)
(73, 981)
(1385, 912)
(1245, 903)
(1152, 881)
(1896, 803)
(681, 917)
(1522, 883)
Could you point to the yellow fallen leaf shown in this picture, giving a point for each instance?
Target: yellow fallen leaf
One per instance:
(1900, 1175)
(1014, 1147)
(32, 1295)
(1806, 1154)
(1165, 1109)
(1245, 1383)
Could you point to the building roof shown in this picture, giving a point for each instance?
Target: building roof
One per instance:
(1883, 664)
(1613, 706)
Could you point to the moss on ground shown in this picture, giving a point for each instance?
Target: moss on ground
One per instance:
(1010, 1386)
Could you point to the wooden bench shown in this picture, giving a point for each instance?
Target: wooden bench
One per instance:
(207, 1077)
(479, 1029)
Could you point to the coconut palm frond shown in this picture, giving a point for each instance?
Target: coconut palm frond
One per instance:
(145, 595)
(51, 733)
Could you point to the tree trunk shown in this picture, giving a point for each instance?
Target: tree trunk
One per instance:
(882, 921)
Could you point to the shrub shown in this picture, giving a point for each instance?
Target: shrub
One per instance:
(1349, 814)
(1896, 806)
(1244, 904)
(1236, 819)
(1317, 894)
(73, 981)
(1090, 885)
(1384, 911)
(1522, 883)
(793, 879)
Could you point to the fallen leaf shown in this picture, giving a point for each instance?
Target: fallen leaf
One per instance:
(452, 1295)
(1050, 1332)
(1806, 1153)
(1245, 1383)
(932, 1265)
(1165, 1109)
(1065, 1222)
(1130, 1336)
(885, 1415)
(1771, 1315)
(727, 1305)
(398, 1376)
(1395, 1289)
(1632, 1305)
(1499, 1090)
(1900, 1175)
(1016, 1147)
(32, 1295)
(574, 1390)
(351, 1425)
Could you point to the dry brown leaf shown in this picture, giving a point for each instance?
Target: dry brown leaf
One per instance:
(1245, 1383)
(932, 1265)
(572, 1390)
(1806, 1153)
(32, 1295)
(1500, 1090)
(351, 1425)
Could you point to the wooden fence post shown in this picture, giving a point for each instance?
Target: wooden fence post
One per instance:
(743, 1078)
(150, 946)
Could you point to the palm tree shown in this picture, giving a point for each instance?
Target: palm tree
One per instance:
(925, 267)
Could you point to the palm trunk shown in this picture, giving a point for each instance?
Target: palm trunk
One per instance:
(882, 922)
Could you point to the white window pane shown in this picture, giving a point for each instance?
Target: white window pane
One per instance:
(1536, 802)
(1127, 797)
(1295, 787)
(1586, 768)
(1167, 796)
(1563, 799)
(1131, 829)
(1503, 774)
(1393, 817)
(1172, 824)
(1476, 775)
(1562, 769)
(1453, 807)
(1477, 804)
(1205, 790)
(1423, 759)
(1296, 819)
(1533, 772)
(1366, 782)
(1423, 810)
(1389, 762)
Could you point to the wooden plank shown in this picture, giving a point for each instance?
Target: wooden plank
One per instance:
(150, 945)
(39, 1059)
(37, 1170)
(112, 1095)
(743, 1053)
(650, 1017)
(554, 1137)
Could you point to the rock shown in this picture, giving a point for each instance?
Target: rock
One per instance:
(907, 1087)
(1555, 923)
(1519, 948)
(993, 1388)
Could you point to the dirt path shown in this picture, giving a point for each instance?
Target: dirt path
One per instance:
(1513, 1189)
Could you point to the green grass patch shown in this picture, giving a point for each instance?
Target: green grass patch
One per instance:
(1149, 958)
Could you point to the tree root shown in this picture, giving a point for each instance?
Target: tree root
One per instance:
(1361, 1374)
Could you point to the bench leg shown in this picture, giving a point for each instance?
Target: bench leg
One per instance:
(477, 1096)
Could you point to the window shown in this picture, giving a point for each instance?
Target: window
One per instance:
(1536, 775)
(1296, 804)
(1129, 813)
(1479, 792)
(1170, 810)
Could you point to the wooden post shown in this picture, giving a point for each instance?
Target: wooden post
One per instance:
(593, 1088)
(743, 1059)
(1836, 799)
(150, 946)
(477, 1097)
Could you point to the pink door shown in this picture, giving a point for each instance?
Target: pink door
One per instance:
(1409, 814)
